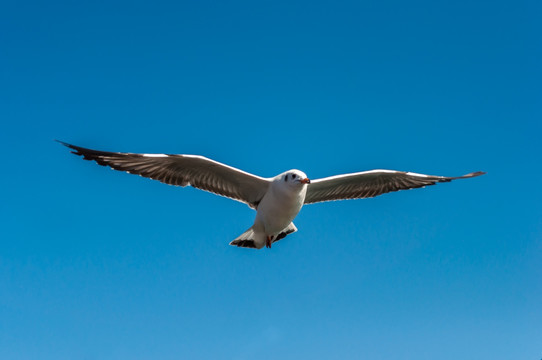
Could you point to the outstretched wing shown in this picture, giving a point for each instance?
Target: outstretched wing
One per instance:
(182, 170)
(372, 183)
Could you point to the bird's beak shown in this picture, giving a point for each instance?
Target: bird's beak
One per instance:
(305, 181)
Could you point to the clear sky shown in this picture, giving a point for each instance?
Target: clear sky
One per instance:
(98, 264)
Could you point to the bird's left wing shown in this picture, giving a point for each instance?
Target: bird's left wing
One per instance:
(372, 183)
(182, 170)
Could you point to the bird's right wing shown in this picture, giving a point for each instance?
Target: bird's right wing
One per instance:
(372, 183)
(182, 170)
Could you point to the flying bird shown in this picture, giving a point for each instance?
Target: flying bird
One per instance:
(277, 200)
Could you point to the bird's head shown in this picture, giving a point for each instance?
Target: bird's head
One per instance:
(294, 178)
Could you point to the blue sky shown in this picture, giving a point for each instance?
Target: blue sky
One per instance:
(97, 264)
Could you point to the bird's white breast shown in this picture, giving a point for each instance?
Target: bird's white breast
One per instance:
(279, 207)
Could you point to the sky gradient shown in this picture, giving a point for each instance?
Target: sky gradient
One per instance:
(98, 264)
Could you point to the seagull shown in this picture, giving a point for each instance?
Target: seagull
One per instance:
(277, 200)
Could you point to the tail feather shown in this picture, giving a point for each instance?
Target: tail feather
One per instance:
(244, 243)
(287, 231)
(246, 240)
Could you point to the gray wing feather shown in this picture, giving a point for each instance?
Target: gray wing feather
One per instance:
(182, 170)
(370, 184)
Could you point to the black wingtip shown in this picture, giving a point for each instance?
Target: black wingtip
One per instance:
(65, 144)
(77, 149)
(68, 146)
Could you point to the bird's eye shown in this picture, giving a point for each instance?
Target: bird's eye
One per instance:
(293, 176)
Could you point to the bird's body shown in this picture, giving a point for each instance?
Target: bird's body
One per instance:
(281, 203)
(278, 208)
(277, 200)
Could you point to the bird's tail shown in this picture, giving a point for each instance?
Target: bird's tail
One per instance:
(287, 231)
(247, 239)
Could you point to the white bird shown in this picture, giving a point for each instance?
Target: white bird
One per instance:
(277, 200)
